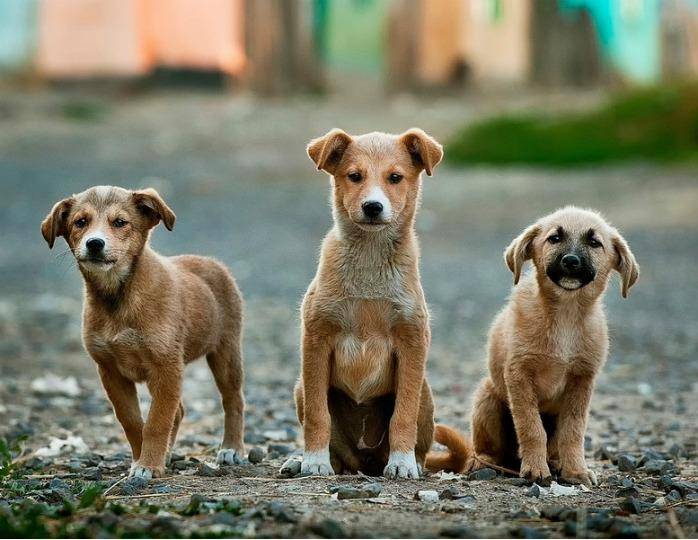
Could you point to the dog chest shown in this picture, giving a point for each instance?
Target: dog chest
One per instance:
(126, 349)
(363, 350)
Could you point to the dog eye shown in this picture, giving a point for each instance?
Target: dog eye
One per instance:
(593, 242)
(354, 176)
(80, 223)
(118, 223)
(555, 239)
(395, 178)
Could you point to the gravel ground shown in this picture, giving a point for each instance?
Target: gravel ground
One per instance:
(234, 171)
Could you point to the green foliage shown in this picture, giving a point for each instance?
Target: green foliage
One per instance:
(92, 496)
(658, 124)
(8, 448)
(84, 110)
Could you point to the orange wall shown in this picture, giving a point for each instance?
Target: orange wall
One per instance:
(87, 38)
(91, 38)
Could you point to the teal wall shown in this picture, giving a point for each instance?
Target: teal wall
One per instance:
(629, 34)
(17, 33)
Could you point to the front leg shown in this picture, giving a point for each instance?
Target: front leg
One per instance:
(124, 399)
(572, 422)
(317, 423)
(525, 412)
(411, 345)
(165, 386)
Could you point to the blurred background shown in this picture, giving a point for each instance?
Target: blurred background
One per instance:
(539, 103)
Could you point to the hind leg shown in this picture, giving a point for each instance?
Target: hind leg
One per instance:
(425, 425)
(226, 366)
(292, 465)
(487, 427)
(175, 430)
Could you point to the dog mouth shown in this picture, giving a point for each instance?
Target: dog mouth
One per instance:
(372, 225)
(97, 262)
(571, 280)
(570, 283)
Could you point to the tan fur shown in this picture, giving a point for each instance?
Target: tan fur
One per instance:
(145, 316)
(545, 349)
(365, 324)
(459, 450)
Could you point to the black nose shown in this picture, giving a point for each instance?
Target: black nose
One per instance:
(372, 208)
(95, 245)
(570, 262)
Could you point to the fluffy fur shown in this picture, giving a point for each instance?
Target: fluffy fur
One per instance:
(363, 398)
(145, 316)
(547, 346)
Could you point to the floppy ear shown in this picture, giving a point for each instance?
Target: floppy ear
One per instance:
(149, 202)
(424, 150)
(625, 264)
(327, 151)
(54, 225)
(519, 251)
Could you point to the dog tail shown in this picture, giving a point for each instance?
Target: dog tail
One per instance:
(459, 451)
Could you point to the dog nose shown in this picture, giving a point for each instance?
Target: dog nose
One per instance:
(570, 262)
(94, 245)
(372, 208)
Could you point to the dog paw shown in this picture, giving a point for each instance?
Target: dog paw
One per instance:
(554, 465)
(229, 456)
(581, 476)
(317, 464)
(291, 467)
(140, 471)
(536, 470)
(402, 465)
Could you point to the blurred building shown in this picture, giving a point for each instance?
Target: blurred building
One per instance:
(279, 46)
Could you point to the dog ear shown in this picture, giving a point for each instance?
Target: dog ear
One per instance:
(519, 251)
(424, 150)
(54, 225)
(149, 202)
(625, 263)
(327, 151)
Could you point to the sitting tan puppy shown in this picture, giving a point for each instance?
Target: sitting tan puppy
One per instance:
(547, 346)
(146, 316)
(362, 398)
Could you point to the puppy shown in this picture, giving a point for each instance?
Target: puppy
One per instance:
(547, 345)
(362, 398)
(146, 316)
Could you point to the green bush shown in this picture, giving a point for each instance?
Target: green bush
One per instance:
(651, 124)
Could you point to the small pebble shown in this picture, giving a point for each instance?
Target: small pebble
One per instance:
(533, 491)
(133, 485)
(256, 455)
(92, 473)
(483, 474)
(328, 528)
(206, 470)
(626, 463)
(427, 496)
(364, 491)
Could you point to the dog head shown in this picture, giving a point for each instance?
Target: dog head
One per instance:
(573, 250)
(106, 227)
(376, 177)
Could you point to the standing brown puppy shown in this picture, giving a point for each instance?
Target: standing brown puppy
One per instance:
(362, 398)
(547, 346)
(146, 316)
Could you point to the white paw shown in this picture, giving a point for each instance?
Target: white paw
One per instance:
(138, 471)
(402, 465)
(317, 463)
(229, 456)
